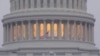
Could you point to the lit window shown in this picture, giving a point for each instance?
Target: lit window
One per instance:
(48, 28)
(72, 31)
(55, 30)
(41, 30)
(83, 32)
(24, 27)
(15, 33)
(19, 31)
(34, 30)
(78, 31)
(62, 30)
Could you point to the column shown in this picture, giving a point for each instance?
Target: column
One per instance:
(32, 3)
(27, 4)
(45, 3)
(11, 32)
(85, 3)
(68, 54)
(38, 4)
(7, 37)
(93, 33)
(4, 33)
(64, 3)
(12, 6)
(29, 54)
(85, 54)
(45, 27)
(22, 31)
(17, 4)
(13, 54)
(81, 34)
(30, 30)
(86, 36)
(58, 3)
(51, 3)
(68, 30)
(79, 4)
(52, 29)
(37, 30)
(75, 4)
(89, 32)
(70, 4)
(21, 4)
(59, 30)
(75, 31)
(43, 54)
(16, 32)
(65, 33)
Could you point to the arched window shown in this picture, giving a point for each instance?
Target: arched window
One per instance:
(15, 32)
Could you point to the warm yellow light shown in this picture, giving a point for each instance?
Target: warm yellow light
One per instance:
(48, 28)
(41, 30)
(72, 31)
(55, 30)
(34, 30)
(19, 31)
(78, 31)
(62, 30)
(24, 28)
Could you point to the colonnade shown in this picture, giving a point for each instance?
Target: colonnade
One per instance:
(26, 4)
(48, 30)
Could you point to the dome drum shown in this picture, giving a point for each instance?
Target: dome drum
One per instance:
(64, 30)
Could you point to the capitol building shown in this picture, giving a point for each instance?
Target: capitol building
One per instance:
(48, 28)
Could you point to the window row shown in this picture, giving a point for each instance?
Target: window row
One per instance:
(56, 30)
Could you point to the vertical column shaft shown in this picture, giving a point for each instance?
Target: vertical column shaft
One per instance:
(70, 4)
(32, 3)
(59, 30)
(21, 4)
(65, 28)
(38, 4)
(17, 4)
(75, 4)
(64, 3)
(29, 30)
(37, 29)
(45, 27)
(22, 31)
(45, 3)
(11, 32)
(52, 3)
(7, 33)
(58, 3)
(92, 33)
(26, 4)
(68, 30)
(79, 4)
(29, 54)
(4, 33)
(52, 29)
(81, 34)
(89, 33)
(86, 37)
(75, 31)
(68, 54)
(16, 32)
